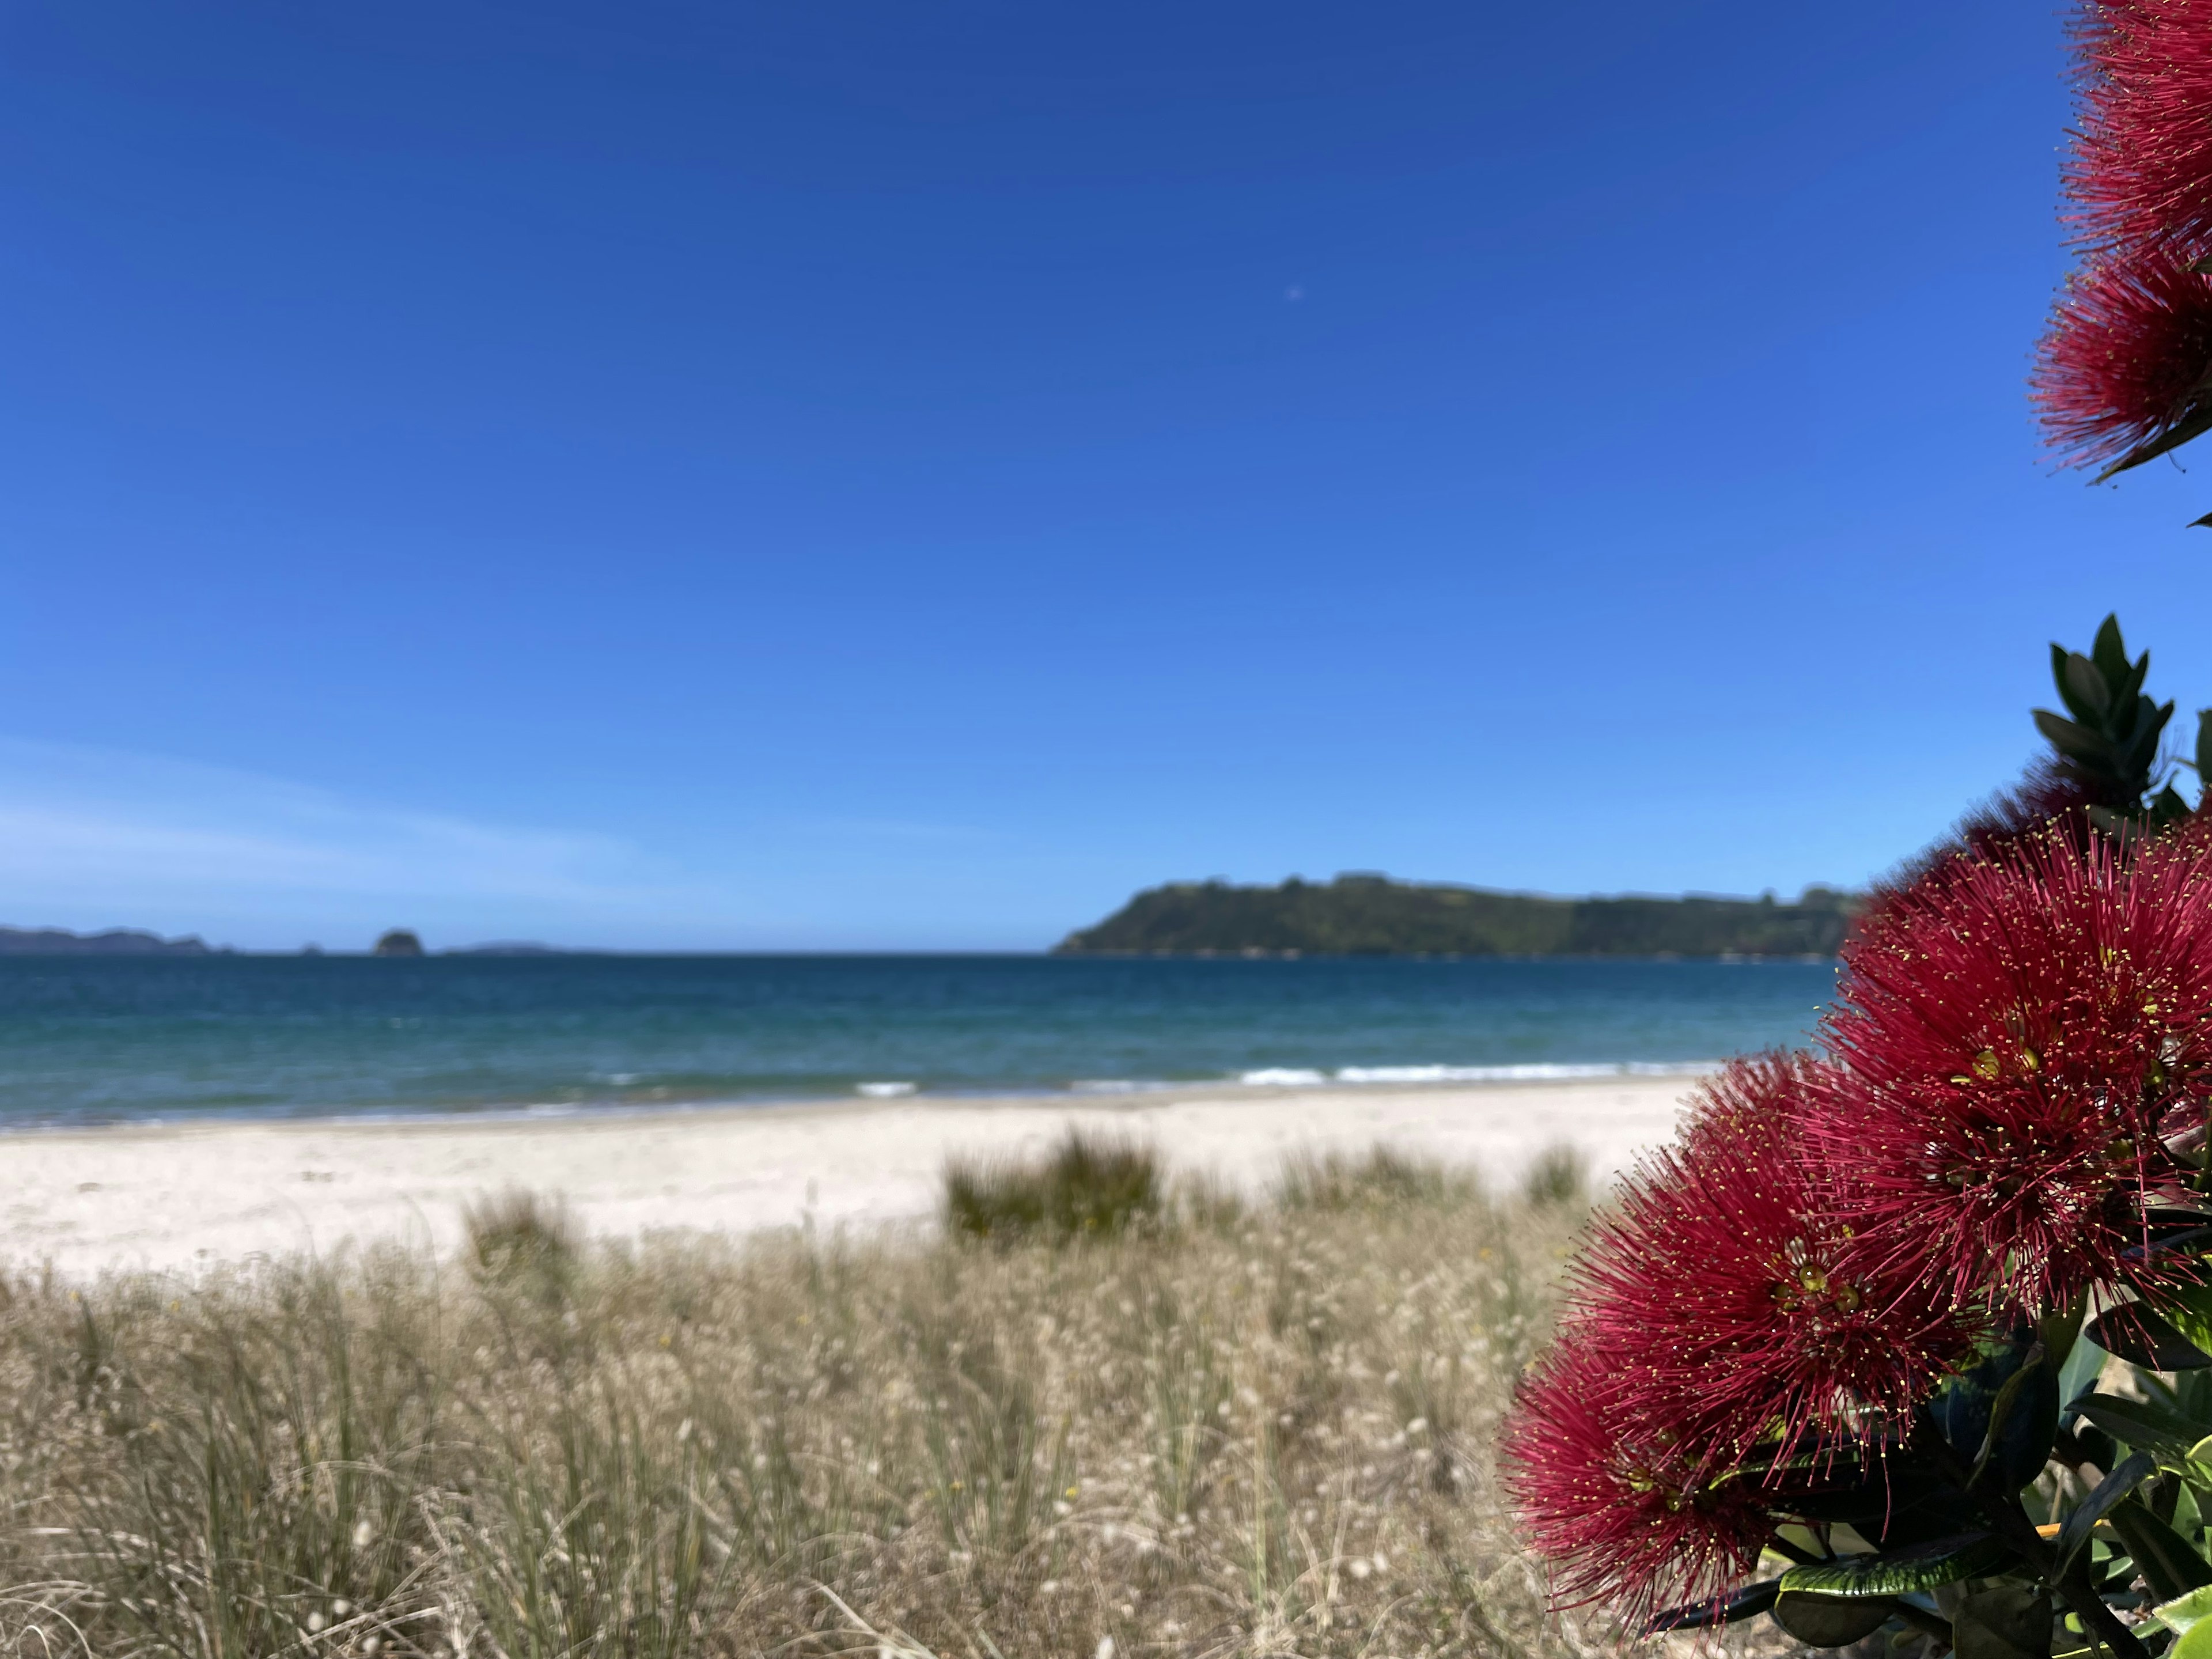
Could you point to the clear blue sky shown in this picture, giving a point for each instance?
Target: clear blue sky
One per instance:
(874, 474)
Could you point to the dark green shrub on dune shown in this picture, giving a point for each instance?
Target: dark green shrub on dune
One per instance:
(1557, 1176)
(1089, 1186)
(522, 1241)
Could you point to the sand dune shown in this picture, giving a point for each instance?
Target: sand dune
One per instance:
(175, 1195)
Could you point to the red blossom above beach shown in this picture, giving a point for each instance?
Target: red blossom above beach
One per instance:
(1783, 1320)
(2127, 360)
(1728, 1271)
(2122, 372)
(2014, 1041)
(1623, 1512)
(2142, 168)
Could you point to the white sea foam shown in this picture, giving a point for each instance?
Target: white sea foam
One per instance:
(1531, 1072)
(1534, 1072)
(886, 1090)
(1110, 1085)
(1420, 1073)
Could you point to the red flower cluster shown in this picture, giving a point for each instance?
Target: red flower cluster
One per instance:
(2021, 1058)
(2128, 356)
(2016, 1044)
(2128, 352)
(2142, 168)
(1719, 1320)
(1731, 1271)
(1624, 1511)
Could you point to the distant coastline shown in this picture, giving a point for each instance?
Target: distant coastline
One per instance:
(112, 942)
(1362, 915)
(1355, 914)
(138, 942)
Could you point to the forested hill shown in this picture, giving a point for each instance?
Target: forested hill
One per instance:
(1373, 915)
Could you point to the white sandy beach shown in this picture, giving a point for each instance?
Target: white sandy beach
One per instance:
(176, 1195)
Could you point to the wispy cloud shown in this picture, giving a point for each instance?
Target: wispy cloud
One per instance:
(92, 837)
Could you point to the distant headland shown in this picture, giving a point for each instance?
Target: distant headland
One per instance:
(1360, 914)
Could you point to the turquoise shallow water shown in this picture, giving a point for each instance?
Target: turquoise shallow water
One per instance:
(99, 1041)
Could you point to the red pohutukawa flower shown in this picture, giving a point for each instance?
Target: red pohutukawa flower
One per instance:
(1729, 1273)
(2018, 1043)
(2128, 355)
(2142, 168)
(1624, 1512)
(1714, 1332)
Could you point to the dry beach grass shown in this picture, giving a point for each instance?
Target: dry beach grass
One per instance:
(1231, 1429)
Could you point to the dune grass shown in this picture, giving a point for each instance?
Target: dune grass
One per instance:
(1237, 1430)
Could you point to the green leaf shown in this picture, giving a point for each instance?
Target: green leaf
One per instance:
(2179, 1614)
(2196, 421)
(2075, 742)
(2108, 650)
(1701, 1615)
(2008, 1420)
(2143, 741)
(2006, 1621)
(2142, 1337)
(1900, 1487)
(2085, 691)
(1830, 1621)
(2138, 1424)
(2059, 658)
(1922, 1566)
(2132, 686)
(2027, 1438)
(2168, 1561)
(2187, 1309)
(2194, 1643)
(1968, 1404)
(2085, 1362)
(2058, 1331)
(2204, 740)
(2138, 1468)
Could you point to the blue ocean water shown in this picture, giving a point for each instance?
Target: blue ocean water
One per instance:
(87, 1041)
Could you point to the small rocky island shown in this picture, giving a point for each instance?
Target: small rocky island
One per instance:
(1360, 914)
